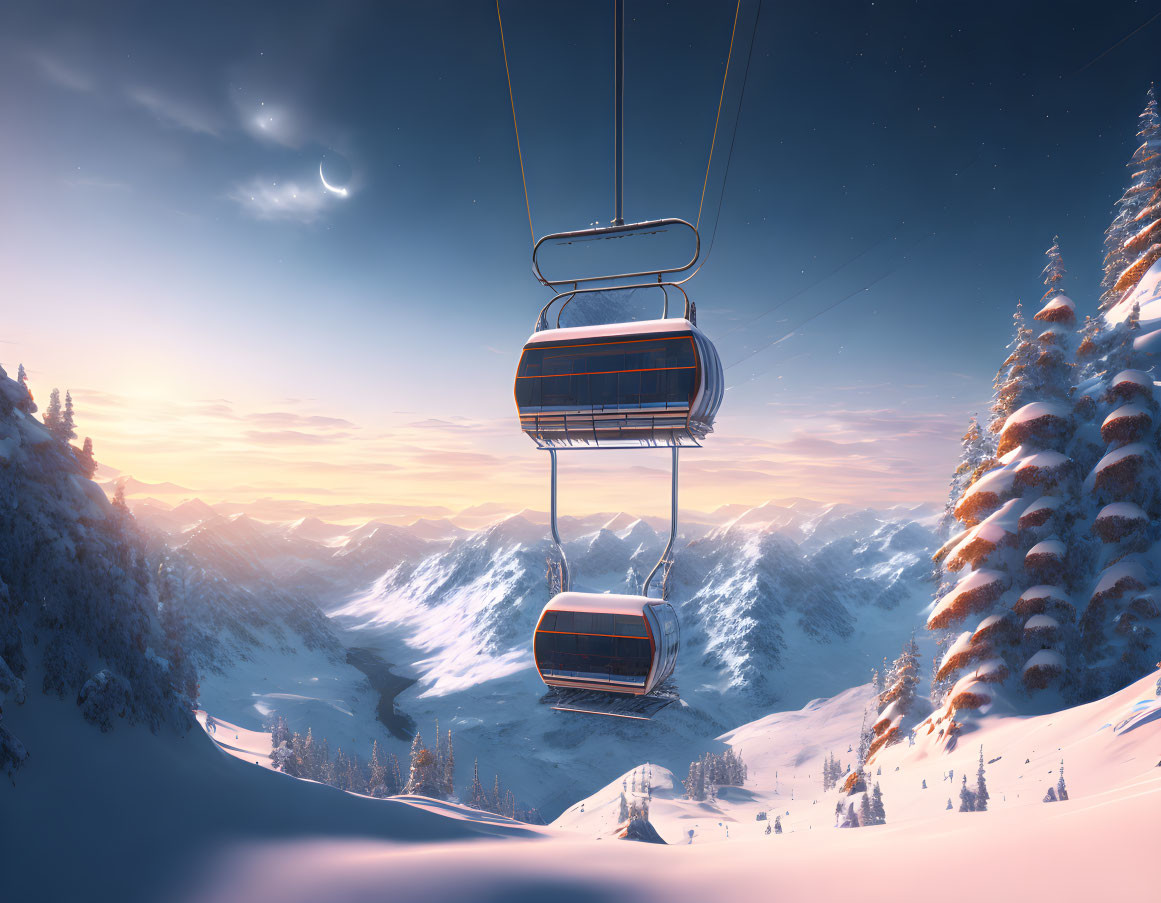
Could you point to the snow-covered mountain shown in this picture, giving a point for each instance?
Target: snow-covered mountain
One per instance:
(771, 614)
(79, 612)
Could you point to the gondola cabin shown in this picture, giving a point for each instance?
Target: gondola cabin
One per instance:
(647, 383)
(617, 644)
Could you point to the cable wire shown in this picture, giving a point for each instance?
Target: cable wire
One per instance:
(515, 125)
(717, 118)
(730, 155)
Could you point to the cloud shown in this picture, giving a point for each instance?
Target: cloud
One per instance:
(272, 122)
(62, 74)
(271, 199)
(291, 437)
(182, 114)
(289, 419)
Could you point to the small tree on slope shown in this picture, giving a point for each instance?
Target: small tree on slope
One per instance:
(981, 794)
(1133, 239)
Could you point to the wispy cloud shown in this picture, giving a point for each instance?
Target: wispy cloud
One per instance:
(176, 112)
(273, 199)
(62, 73)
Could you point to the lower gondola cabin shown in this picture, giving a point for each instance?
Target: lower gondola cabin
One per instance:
(616, 644)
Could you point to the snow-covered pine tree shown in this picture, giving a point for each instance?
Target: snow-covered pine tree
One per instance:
(967, 799)
(897, 699)
(878, 812)
(1133, 239)
(981, 795)
(377, 782)
(86, 460)
(52, 416)
(24, 400)
(1014, 557)
(449, 767)
(1061, 788)
(777, 824)
(977, 454)
(623, 811)
(68, 430)
(1123, 490)
(477, 798)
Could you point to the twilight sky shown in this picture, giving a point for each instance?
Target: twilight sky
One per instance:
(227, 325)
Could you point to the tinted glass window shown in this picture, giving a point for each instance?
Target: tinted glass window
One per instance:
(626, 660)
(548, 622)
(630, 625)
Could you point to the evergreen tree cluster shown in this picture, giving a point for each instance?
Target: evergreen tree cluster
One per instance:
(78, 581)
(1133, 239)
(1059, 792)
(499, 800)
(432, 771)
(975, 800)
(1050, 593)
(302, 756)
(832, 772)
(714, 770)
(60, 421)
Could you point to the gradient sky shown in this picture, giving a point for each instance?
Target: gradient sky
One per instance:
(226, 325)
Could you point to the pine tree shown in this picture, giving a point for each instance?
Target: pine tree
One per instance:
(1061, 789)
(777, 824)
(477, 798)
(449, 767)
(967, 799)
(866, 817)
(52, 416)
(981, 794)
(949, 805)
(924, 787)
(878, 813)
(623, 812)
(1054, 270)
(86, 460)
(1050, 796)
(1132, 242)
(67, 422)
(27, 404)
(377, 783)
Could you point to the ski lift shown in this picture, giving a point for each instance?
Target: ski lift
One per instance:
(647, 383)
(610, 643)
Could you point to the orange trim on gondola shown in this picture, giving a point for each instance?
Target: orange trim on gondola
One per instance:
(615, 636)
(604, 372)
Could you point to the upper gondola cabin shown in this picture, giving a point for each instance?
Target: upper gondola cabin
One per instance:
(645, 383)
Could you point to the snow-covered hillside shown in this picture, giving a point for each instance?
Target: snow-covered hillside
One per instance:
(205, 826)
(1110, 750)
(773, 607)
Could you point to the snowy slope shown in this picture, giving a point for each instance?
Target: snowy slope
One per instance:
(87, 799)
(1110, 749)
(206, 828)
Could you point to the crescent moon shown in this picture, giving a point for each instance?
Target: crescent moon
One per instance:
(341, 192)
